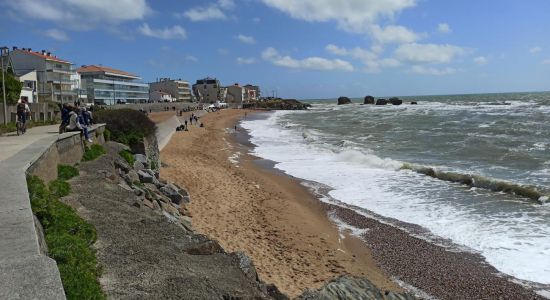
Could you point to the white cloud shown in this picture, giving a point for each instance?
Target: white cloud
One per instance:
(214, 11)
(351, 15)
(205, 14)
(246, 39)
(226, 4)
(371, 59)
(546, 62)
(81, 14)
(57, 34)
(191, 58)
(167, 33)
(422, 70)
(393, 34)
(246, 60)
(309, 63)
(428, 53)
(535, 50)
(444, 28)
(481, 60)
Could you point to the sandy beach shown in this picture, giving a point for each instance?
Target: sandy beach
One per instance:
(271, 217)
(240, 201)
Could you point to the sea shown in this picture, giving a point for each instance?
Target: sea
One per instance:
(471, 169)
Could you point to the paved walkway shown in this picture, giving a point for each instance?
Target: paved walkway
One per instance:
(11, 143)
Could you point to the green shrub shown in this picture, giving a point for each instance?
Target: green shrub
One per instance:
(128, 156)
(65, 172)
(107, 134)
(93, 152)
(126, 126)
(59, 188)
(69, 239)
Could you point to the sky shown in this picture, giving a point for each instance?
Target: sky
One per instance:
(301, 49)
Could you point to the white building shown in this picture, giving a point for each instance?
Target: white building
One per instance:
(107, 86)
(207, 90)
(28, 91)
(252, 92)
(53, 73)
(179, 89)
(158, 96)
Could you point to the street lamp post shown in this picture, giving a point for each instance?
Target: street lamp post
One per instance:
(4, 51)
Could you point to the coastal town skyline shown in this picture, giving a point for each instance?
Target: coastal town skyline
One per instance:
(307, 49)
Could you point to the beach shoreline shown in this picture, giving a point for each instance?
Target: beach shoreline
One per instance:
(386, 254)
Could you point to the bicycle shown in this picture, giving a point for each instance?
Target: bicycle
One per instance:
(21, 126)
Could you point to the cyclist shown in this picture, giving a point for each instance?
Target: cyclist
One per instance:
(23, 111)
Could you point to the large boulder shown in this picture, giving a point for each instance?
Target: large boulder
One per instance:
(175, 193)
(122, 165)
(369, 100)
(414, 102)
(344, 100)
(142, 159)
(381, 102)
(396, 101)
(347, 287)
(145, 177)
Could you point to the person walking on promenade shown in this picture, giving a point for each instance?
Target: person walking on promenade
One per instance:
(74, 124)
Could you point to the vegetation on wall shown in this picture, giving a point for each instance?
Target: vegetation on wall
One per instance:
(126, 126)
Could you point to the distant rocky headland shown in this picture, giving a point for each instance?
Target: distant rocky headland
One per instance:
(278, 104)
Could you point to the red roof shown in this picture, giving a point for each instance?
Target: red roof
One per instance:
(94, 69)
(46, 56)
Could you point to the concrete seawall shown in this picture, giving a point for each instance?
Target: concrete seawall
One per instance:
(26, 272)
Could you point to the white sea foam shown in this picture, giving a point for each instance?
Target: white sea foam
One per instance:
(516, 241)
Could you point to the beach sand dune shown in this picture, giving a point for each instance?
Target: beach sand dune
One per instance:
(271, 217)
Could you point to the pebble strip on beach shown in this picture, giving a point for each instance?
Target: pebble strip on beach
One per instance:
(435, 270)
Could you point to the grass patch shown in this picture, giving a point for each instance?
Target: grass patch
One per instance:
(128, 156)
(65, 172)
(69, 239)
(107, 134)
(93, 152)
(59, 188)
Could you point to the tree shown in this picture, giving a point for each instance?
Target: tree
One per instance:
(13, 88)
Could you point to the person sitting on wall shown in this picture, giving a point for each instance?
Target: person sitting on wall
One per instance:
(74, 124)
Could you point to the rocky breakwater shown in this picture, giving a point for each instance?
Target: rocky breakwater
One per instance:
(278, 104)
(146, 245)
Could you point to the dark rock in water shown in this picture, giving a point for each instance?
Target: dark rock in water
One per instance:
(396, 101)
(278, 104)
(414, 102)
(381, 102)
(369, 100)
(347, 287)
(344, 100)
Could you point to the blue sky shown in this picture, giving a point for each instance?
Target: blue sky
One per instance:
(300, 48)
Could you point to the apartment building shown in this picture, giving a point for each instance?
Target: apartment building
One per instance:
(236, 94)
(179, 89)
(29, 83)
(108, 86)
(252, 92)
(53, 74)
(207, 90)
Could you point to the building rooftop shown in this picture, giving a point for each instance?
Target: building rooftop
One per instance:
(44, 55)
(106, 71)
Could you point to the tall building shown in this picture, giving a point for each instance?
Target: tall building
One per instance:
(108, 86)
(179, 89)
(53, 74)
(207, 90)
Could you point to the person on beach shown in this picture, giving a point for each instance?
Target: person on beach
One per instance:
(74, 125)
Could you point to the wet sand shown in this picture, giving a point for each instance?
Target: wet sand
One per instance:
(271, 217)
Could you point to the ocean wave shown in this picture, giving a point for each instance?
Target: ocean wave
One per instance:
(476, 181)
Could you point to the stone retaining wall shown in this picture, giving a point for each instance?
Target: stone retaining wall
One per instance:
(25, 271)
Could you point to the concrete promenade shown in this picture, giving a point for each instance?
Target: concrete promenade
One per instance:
(26, 272)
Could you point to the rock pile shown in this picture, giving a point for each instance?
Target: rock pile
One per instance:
(348, 287)
(153, 193)
(344, 100)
